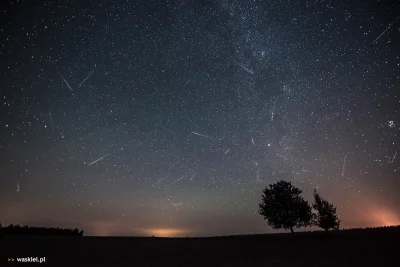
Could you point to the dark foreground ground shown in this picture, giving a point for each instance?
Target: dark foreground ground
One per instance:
(359, 248)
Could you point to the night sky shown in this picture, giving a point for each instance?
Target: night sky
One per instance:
(169, 118)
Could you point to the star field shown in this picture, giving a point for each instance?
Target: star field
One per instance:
(169, 118)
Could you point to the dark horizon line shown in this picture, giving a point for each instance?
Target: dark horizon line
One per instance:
(360, 229)
(275, 233)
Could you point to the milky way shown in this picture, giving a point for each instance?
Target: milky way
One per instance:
(170, 118)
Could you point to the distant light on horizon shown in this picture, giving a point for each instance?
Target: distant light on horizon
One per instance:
(164, 232)
(386, 218)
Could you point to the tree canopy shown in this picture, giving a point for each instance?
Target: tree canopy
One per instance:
(283, 206)
(325, 216)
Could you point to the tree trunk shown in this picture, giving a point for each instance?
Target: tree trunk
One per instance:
(327, 231)
(291, 230)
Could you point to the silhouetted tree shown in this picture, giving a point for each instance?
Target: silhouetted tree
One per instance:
(283, 206)
(325, 216)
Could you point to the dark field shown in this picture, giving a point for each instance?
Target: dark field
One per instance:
(376, 247)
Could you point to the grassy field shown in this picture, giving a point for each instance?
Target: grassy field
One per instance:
(376, 247)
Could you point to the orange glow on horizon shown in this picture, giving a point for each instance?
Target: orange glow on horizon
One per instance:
(102, 228)
(164, 232)
(109, 228)
(385, 218)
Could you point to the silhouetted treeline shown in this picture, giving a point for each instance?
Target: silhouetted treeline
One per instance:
(360, 231)
(38, 231)
(380, 229)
